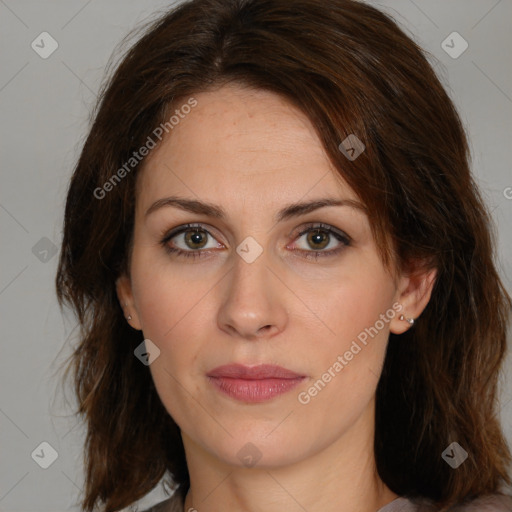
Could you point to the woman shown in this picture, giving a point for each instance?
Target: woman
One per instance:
(283, 272)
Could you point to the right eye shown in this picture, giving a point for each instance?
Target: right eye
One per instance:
(191, 241)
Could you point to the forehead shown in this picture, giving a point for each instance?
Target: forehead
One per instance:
(241, 143)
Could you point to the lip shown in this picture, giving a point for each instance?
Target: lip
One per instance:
(253, 384)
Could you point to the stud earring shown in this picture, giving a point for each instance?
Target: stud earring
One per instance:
(129, 317)
(410, 321)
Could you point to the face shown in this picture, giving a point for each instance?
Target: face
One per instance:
(252, 281)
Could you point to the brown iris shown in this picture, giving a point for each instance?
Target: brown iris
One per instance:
(193, 238)
(318, 238)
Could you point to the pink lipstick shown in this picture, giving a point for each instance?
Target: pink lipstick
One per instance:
(253, 383)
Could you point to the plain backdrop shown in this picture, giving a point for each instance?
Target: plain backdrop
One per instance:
(45, 105)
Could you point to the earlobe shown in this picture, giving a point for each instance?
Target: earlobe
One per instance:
(125, 297)
(414, 297)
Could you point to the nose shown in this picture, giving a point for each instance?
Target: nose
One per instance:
(252, 305)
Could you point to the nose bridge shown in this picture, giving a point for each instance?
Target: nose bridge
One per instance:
(248, 274)
(251, 304)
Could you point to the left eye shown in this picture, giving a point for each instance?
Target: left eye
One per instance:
(321, 240)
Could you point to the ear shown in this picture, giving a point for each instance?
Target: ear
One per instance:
(414, 292)
(125, 297)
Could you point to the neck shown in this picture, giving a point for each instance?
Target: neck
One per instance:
(341, 477)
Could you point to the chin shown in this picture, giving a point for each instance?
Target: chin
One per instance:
(252, 447)
(261, 454)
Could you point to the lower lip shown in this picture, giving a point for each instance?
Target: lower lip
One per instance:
(257, 390)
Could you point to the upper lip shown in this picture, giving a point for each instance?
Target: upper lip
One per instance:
(259, 372)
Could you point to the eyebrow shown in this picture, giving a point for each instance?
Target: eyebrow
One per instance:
(215, 211)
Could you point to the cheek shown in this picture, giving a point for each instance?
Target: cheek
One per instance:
(167, 296)
(347, 362)
(353, 347)
(354, 300)
(175, 311)
(170, 310)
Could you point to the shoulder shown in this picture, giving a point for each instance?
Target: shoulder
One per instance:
(172, 504)
(490, 503)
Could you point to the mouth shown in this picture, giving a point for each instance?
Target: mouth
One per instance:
(253, 384)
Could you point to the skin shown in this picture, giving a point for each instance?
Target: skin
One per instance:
(251, 153)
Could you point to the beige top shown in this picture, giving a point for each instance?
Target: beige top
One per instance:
(493, 503)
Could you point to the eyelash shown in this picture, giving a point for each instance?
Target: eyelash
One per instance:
(340, 236)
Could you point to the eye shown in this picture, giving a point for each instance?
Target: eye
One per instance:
(190, 241)
(318, 238)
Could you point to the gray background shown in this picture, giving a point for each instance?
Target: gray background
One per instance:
(45, 106)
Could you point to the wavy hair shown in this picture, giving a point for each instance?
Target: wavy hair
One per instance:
(351, 70)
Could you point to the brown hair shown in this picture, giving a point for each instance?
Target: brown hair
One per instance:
(351, 70)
